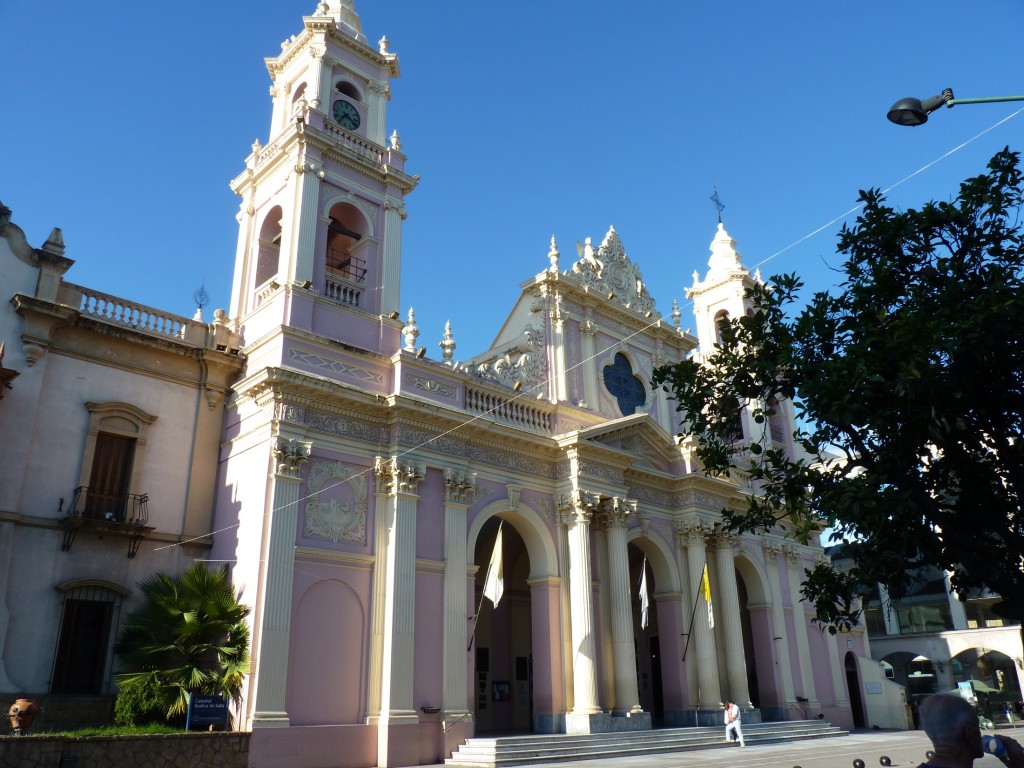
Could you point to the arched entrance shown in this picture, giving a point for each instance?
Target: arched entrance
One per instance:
(914, 672)
(502, 644)
(647, 639)
(853, 684)
(756, 625)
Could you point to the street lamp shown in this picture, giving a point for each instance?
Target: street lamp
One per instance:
(915, 112)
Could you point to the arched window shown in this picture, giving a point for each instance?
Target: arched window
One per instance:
(721, 320)
(627, 388)
(269, 246)
(346, 88)
(345, 230)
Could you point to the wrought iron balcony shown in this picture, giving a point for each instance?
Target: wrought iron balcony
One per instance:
(119, 514)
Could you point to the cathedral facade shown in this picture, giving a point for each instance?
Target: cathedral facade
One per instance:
(360, 485)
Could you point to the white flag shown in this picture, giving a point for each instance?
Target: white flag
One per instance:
(645, 601)
(494, 585)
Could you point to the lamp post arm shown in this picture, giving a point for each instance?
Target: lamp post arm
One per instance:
(984, 100)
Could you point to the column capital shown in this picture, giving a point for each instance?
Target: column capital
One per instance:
(771, 549)
(792, 553)
(723, 540)
(393, 477)
(290, 455)
(691, 532)
(459, 486)
(616, 511)
(577, 506)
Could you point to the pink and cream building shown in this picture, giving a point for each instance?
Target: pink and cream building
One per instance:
(363, 474)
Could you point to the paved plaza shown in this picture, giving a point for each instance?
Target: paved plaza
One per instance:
(905, 749)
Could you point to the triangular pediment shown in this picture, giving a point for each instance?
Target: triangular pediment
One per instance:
(639, 436)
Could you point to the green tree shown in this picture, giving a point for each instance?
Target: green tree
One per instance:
(189, 636)
(908, 384)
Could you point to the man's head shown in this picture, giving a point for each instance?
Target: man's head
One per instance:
(728, 703)
(952, 725)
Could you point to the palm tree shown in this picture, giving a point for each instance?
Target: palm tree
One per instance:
(190, 636)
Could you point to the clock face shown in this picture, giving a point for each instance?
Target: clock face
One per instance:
(346, 115)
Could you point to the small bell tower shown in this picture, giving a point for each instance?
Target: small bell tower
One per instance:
(721, 294)
(320, 225)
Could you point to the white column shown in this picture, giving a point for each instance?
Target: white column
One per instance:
(376, 128)
(605, 641)
(301, 257)
(780, 640)
(270, 681)
(559, 392)
(459, 492)
(800, 624)
(394, 215)
(584, 647)
(396, 555)
(728, 608)
(627, 697)
(565, 517)
(834, 663)
(709, 690)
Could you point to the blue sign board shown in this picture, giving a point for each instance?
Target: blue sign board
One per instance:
(204, 711)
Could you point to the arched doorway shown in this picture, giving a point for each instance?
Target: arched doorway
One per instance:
(853, 684)
(502, 644)
(647, 638)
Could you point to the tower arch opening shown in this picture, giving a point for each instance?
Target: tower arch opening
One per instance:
(268, 257)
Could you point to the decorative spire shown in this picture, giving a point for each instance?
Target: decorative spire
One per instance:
(725, 259)
(55, 242)
(410, 331)
(447, 344)
(344, 13)
(553, 255)
(676, 314)
(396, 142)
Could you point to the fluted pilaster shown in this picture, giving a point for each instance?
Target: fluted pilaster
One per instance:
(728, 607)
(580, 506)
(460, 489)
(395, 602)
(709, 691)
(627, 698)
(271, 679)
(780, 640)
(800, 623)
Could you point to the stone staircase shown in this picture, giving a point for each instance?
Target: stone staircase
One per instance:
(561, 747)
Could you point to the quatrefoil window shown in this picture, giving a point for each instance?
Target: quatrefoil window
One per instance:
(624, 385)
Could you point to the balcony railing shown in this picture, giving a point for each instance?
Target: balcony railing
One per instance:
(125, 514)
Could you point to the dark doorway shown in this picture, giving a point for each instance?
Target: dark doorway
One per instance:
(853, 684)
(82, 647)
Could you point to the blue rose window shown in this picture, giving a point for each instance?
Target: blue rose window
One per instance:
(627, 388)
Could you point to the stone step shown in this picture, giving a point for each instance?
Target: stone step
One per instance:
(520, 750)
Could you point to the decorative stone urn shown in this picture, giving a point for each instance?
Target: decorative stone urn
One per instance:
(22, 714)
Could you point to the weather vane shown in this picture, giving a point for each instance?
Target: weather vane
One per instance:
(719, 205)
(202, 297)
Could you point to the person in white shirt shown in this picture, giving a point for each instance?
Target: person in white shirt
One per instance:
(733, 717)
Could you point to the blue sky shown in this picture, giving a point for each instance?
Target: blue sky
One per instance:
(124, 122)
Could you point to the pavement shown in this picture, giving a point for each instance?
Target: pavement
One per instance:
(905, 749)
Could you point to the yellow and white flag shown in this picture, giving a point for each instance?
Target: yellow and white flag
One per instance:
(494, 585)
(645, 600)
(705, 588)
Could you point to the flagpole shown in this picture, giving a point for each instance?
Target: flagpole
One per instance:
(480, 605)
(693, 614)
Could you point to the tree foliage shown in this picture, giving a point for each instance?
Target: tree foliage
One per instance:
(908, 385)
(189, 636)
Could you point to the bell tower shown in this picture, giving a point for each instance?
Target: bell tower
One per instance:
(721, 294)
(320, 225)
